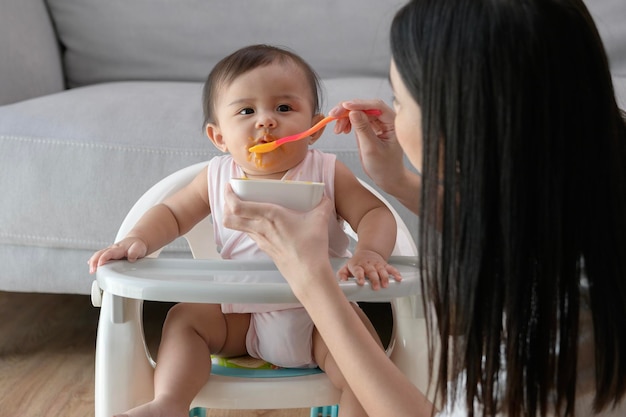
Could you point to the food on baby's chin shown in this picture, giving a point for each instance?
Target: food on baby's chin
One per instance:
(258, 159)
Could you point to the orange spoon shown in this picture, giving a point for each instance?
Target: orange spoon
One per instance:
(270, 146)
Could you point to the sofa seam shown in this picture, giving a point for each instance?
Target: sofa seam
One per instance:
(39, 238)
(60, 142)
(43, 239)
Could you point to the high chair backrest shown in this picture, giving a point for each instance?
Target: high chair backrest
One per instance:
(199, 238)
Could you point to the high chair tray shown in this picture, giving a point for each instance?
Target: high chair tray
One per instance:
(230, 281)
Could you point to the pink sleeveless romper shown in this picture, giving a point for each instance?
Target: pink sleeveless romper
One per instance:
(279, 333)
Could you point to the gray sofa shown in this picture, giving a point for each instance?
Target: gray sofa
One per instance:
(101, 99)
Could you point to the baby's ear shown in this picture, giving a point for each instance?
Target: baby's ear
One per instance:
(315, 136)
(215, 135)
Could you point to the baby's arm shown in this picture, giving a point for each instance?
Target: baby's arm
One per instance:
(160, 225)
(375, 226)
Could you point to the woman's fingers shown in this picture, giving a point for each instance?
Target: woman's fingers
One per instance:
(278, 230)
(361, 122)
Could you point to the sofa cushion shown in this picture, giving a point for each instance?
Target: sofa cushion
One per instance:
(87, 154)
(116, 40)
(31, 61)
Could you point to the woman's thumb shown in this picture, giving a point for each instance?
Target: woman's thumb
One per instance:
(359, 122)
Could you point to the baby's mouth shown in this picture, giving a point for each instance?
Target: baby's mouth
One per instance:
(266, 138)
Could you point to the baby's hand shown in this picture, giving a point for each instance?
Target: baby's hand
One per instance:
(131, 248)
(369, 264)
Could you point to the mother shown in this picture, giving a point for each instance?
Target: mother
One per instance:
(508, 111)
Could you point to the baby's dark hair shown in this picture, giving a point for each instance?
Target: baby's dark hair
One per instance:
(249, 58)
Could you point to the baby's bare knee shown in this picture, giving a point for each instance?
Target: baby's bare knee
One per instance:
(205, 320)
(194, 315)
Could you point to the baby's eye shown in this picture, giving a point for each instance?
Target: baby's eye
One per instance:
(284, 108)
(247, 110)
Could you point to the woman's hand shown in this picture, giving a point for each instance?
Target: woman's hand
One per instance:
(381, 154)
(131, 248)
(294, 240)
(298, 244)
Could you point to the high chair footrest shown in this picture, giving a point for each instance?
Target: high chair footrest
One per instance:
(263, 373)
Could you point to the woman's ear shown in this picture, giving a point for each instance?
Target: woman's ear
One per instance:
(215, 135)
(315, 136)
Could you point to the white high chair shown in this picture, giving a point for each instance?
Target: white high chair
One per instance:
(124, 368)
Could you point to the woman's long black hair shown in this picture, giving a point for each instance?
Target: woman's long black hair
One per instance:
(524, 195)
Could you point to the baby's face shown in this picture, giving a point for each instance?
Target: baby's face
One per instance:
(263, 105)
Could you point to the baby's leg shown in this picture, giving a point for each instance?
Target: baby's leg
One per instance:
(348, 403)
(191, 333)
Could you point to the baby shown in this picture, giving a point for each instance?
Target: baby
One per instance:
(255, 95)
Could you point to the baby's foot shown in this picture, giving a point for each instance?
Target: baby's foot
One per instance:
(156, 409)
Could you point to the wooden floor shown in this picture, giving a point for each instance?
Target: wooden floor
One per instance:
(47, 345)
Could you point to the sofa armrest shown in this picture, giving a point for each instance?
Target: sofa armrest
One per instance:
(30, 58)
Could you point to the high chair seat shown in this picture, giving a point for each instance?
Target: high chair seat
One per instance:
(124, 368)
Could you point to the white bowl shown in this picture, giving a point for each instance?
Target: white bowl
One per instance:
(296, 195)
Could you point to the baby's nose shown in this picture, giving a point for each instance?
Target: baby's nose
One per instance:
(266, 121)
